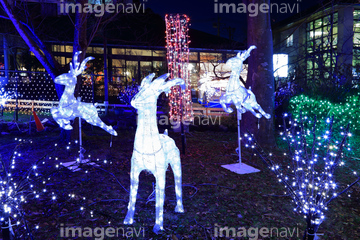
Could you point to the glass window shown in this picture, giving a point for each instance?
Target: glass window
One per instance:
(321, 43)
(138, 52)
(335, 17)
(132, 71)
(318, 23)
(356, 15)
(159, 53)
(118, 63)
(98, 50)
(118, 51)
(230, 55)
(69, 48)
(61, 60)
(290, 41)
(210, 57)
(309, 64)
(159, 67)
(335, 30)
(146, 68)
(119, 75)
(357, 39)
(193, 56)
(281, 65)
(58, 48)
(327, 20)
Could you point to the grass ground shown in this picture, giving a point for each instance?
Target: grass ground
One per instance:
(213, 196)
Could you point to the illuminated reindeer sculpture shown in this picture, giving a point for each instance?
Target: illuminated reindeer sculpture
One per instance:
(69, 107)
(243, 99)
(153, 151)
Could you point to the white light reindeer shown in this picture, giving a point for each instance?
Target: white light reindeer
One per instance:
(69, 107)
(243, 99)
(153, 151)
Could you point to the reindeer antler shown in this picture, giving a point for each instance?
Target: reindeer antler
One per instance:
(79, 68)
(245, 54)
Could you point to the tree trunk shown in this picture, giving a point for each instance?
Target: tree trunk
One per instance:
(260, 75)
(80, 44)
(310, 232)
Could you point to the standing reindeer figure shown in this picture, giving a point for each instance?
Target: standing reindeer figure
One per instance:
(69, 107)
(243, 99)
(153, 151)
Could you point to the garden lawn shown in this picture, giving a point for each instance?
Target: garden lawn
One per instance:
(213, 197)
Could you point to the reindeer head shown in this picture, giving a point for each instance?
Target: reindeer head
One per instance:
(149, 90)
(237, 61)
(69, 78)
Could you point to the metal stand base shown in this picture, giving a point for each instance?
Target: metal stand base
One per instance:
(240, 168)
(76, 165)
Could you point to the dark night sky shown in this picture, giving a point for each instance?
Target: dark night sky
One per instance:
(202, 16)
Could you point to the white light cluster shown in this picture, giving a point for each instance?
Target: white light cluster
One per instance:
(69, 107)
(4, 96)
(243, 99)
(311, 185)
(16, 190)
(153, 151)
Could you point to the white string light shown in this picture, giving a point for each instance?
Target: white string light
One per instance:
(309, 179)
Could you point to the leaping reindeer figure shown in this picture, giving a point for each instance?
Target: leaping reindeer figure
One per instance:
(69, 107)
(243, 99)
(153, 151)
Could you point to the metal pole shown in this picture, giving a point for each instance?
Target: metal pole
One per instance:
(80, 141)
(17, 100)
(106, 83)
(6, 60)
(93, 87)
(239, 137)
(183, 137)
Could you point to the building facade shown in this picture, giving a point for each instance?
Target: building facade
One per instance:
(322, 46)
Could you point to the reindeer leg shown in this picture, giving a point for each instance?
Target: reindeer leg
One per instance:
(63, 123)
(176, 167)
(250, 108)
(92, 117)
(160, 196)
(223, 101)
(259, 108)
(134, 179)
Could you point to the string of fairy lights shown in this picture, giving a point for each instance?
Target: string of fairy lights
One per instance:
(16, 190)
(4, 95)
(19, 186)
(177, 46)
(346, 112)
(309, 177)
(36, 86)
